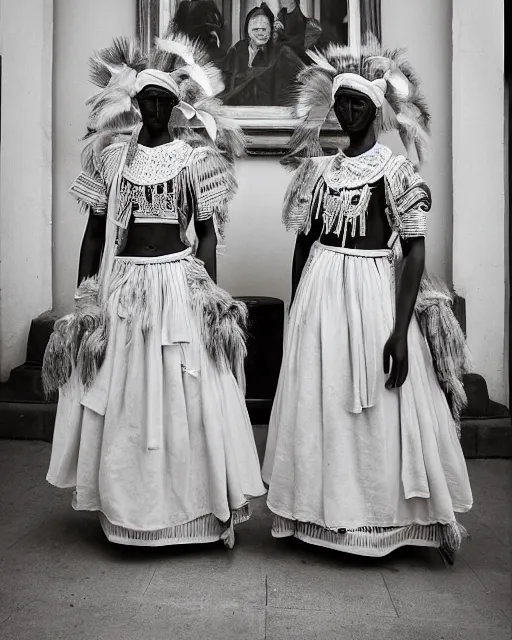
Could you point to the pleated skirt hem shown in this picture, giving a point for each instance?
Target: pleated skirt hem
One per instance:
(372, 541)
(199, 531)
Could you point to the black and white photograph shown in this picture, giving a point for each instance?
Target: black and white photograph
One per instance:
(255, 320)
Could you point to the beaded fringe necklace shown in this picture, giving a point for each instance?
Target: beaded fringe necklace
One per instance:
(347, 191)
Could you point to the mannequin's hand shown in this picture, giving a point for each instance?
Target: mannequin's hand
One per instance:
(396, 350)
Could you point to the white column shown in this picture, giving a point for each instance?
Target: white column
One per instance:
(26, 32)
(479, 217)
(80, 28)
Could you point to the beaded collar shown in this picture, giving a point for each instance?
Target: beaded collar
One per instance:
(344, 172)
(156, 165)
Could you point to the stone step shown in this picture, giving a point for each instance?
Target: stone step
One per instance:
(27, 421)
(24, 385)
(481, 437)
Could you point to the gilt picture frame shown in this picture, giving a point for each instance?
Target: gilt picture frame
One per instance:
(227, 27)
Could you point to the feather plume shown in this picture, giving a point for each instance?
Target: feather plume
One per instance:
(201, 79)
(446, 340)
(122, 52)
(231, 138)
(404, 110)
(115, 110)
(321, 61)
(223, 320)
(313, 102)
(197, 74)
(78, 342)
(313, 93)
(181, 49)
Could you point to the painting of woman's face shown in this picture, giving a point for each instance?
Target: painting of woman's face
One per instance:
(259, 31)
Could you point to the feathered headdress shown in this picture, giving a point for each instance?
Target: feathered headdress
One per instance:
(176, 62)
(404, 108)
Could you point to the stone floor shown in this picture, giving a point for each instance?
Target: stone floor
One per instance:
(61, 580)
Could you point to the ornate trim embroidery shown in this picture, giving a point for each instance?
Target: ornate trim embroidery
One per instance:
(91, 192)
(159, 164)
(353, 173)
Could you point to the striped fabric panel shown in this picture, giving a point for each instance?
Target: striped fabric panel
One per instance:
(110, 159)
(409, 198)
(90, 191)
(215, 181)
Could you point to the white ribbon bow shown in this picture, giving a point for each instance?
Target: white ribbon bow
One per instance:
(185, 115)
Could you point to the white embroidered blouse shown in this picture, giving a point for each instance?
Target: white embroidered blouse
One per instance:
(172, 183)
(338, 189)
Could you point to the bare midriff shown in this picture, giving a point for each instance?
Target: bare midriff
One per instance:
(153, 240)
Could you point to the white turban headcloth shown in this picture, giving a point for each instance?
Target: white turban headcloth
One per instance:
(375, 90)
(156, 78)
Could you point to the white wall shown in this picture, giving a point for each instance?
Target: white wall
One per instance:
(258, 254)
(25, 178)
(80, 27)
(423, 27)
(479, 240)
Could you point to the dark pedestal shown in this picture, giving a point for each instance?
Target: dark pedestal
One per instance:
(264, 354)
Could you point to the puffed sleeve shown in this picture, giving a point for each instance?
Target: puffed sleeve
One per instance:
(409, 199)
(89, 189)
(92, 185)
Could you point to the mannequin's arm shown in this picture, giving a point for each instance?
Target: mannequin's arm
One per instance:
(92, 247)
(396, 347)
(303, 246)
(207, 246)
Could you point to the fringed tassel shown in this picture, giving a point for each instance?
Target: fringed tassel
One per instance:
(446, 342)
(78, 342)
(340, 213)
(223, 320)
(303, 190)
(454, 535)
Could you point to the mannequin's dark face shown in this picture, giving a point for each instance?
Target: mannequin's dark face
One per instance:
(355, 111)
(156, 105)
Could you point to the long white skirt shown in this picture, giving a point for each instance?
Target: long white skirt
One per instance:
(161, 443)
(351, 465)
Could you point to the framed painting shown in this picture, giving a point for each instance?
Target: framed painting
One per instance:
(259, 46)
